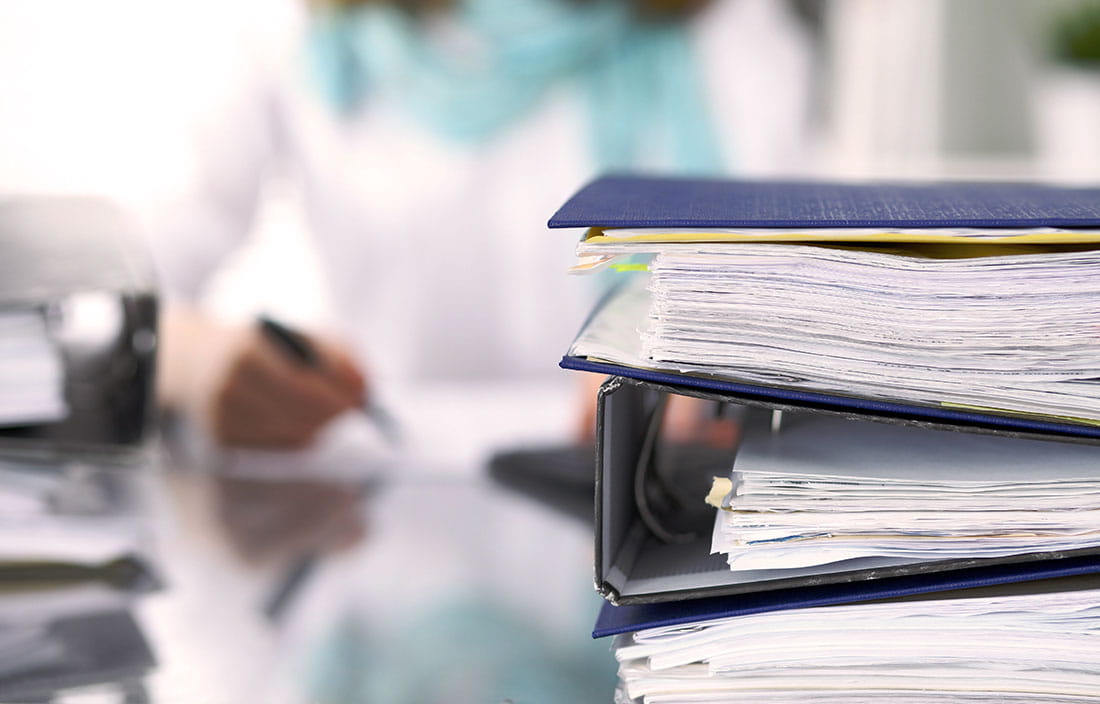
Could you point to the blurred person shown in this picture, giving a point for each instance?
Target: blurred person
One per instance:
(431, 140)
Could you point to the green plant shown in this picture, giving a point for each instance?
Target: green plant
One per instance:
(1075, 35)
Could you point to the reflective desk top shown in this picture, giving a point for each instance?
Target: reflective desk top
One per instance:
(423, 582)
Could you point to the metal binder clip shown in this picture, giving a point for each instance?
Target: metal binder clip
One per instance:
(777, 422)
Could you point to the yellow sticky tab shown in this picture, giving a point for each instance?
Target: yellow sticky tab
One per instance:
(598, 236)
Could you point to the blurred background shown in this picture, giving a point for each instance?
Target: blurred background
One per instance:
(104, 98)
(443, 586)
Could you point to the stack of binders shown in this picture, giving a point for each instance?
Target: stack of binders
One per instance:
(78, 321)
(913, 512)
(78, 328)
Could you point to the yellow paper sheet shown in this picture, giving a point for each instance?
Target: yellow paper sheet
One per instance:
(596, 236)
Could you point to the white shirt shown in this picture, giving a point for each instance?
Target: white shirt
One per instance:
(437, 254)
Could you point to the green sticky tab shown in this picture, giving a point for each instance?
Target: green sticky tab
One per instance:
(630, 267)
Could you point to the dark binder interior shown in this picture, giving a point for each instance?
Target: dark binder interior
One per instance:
(634, 567)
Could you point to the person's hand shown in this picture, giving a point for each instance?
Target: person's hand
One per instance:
(266, 399)
(248, 392)
(687, 420)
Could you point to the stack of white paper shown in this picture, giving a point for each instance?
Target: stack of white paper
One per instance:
(925, 324)
(1022, 648)
(824, 489)
(31, 370)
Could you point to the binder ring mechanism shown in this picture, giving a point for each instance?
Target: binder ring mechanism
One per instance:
(672, 479)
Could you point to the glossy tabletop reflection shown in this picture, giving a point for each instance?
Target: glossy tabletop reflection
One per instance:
(408, 575)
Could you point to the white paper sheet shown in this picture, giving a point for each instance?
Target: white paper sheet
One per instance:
(1015, 332)
(31, 370)
(824, 489)
(1034, 647)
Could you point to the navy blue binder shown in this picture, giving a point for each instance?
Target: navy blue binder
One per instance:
(640, 201)
(852, 406)
(613, 620)
(644, 201)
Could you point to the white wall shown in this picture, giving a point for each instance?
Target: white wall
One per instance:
(101, 98)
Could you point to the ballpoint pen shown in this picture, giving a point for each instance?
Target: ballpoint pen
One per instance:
(296, 346)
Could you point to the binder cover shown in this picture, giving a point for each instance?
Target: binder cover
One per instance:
(613, 620)
(640, 201)
(633, 567)
(779, 398)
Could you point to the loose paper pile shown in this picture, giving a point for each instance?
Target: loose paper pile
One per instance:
(1022, 648)
(990, 326)
(823, 490)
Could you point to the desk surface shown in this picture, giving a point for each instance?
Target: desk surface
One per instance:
(440, 585)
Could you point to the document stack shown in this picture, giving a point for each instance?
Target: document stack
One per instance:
(77, 327)
(920, 368)
(824, 490)
(988, 648)
(77, 346)
(73, 563)
(31, 372)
